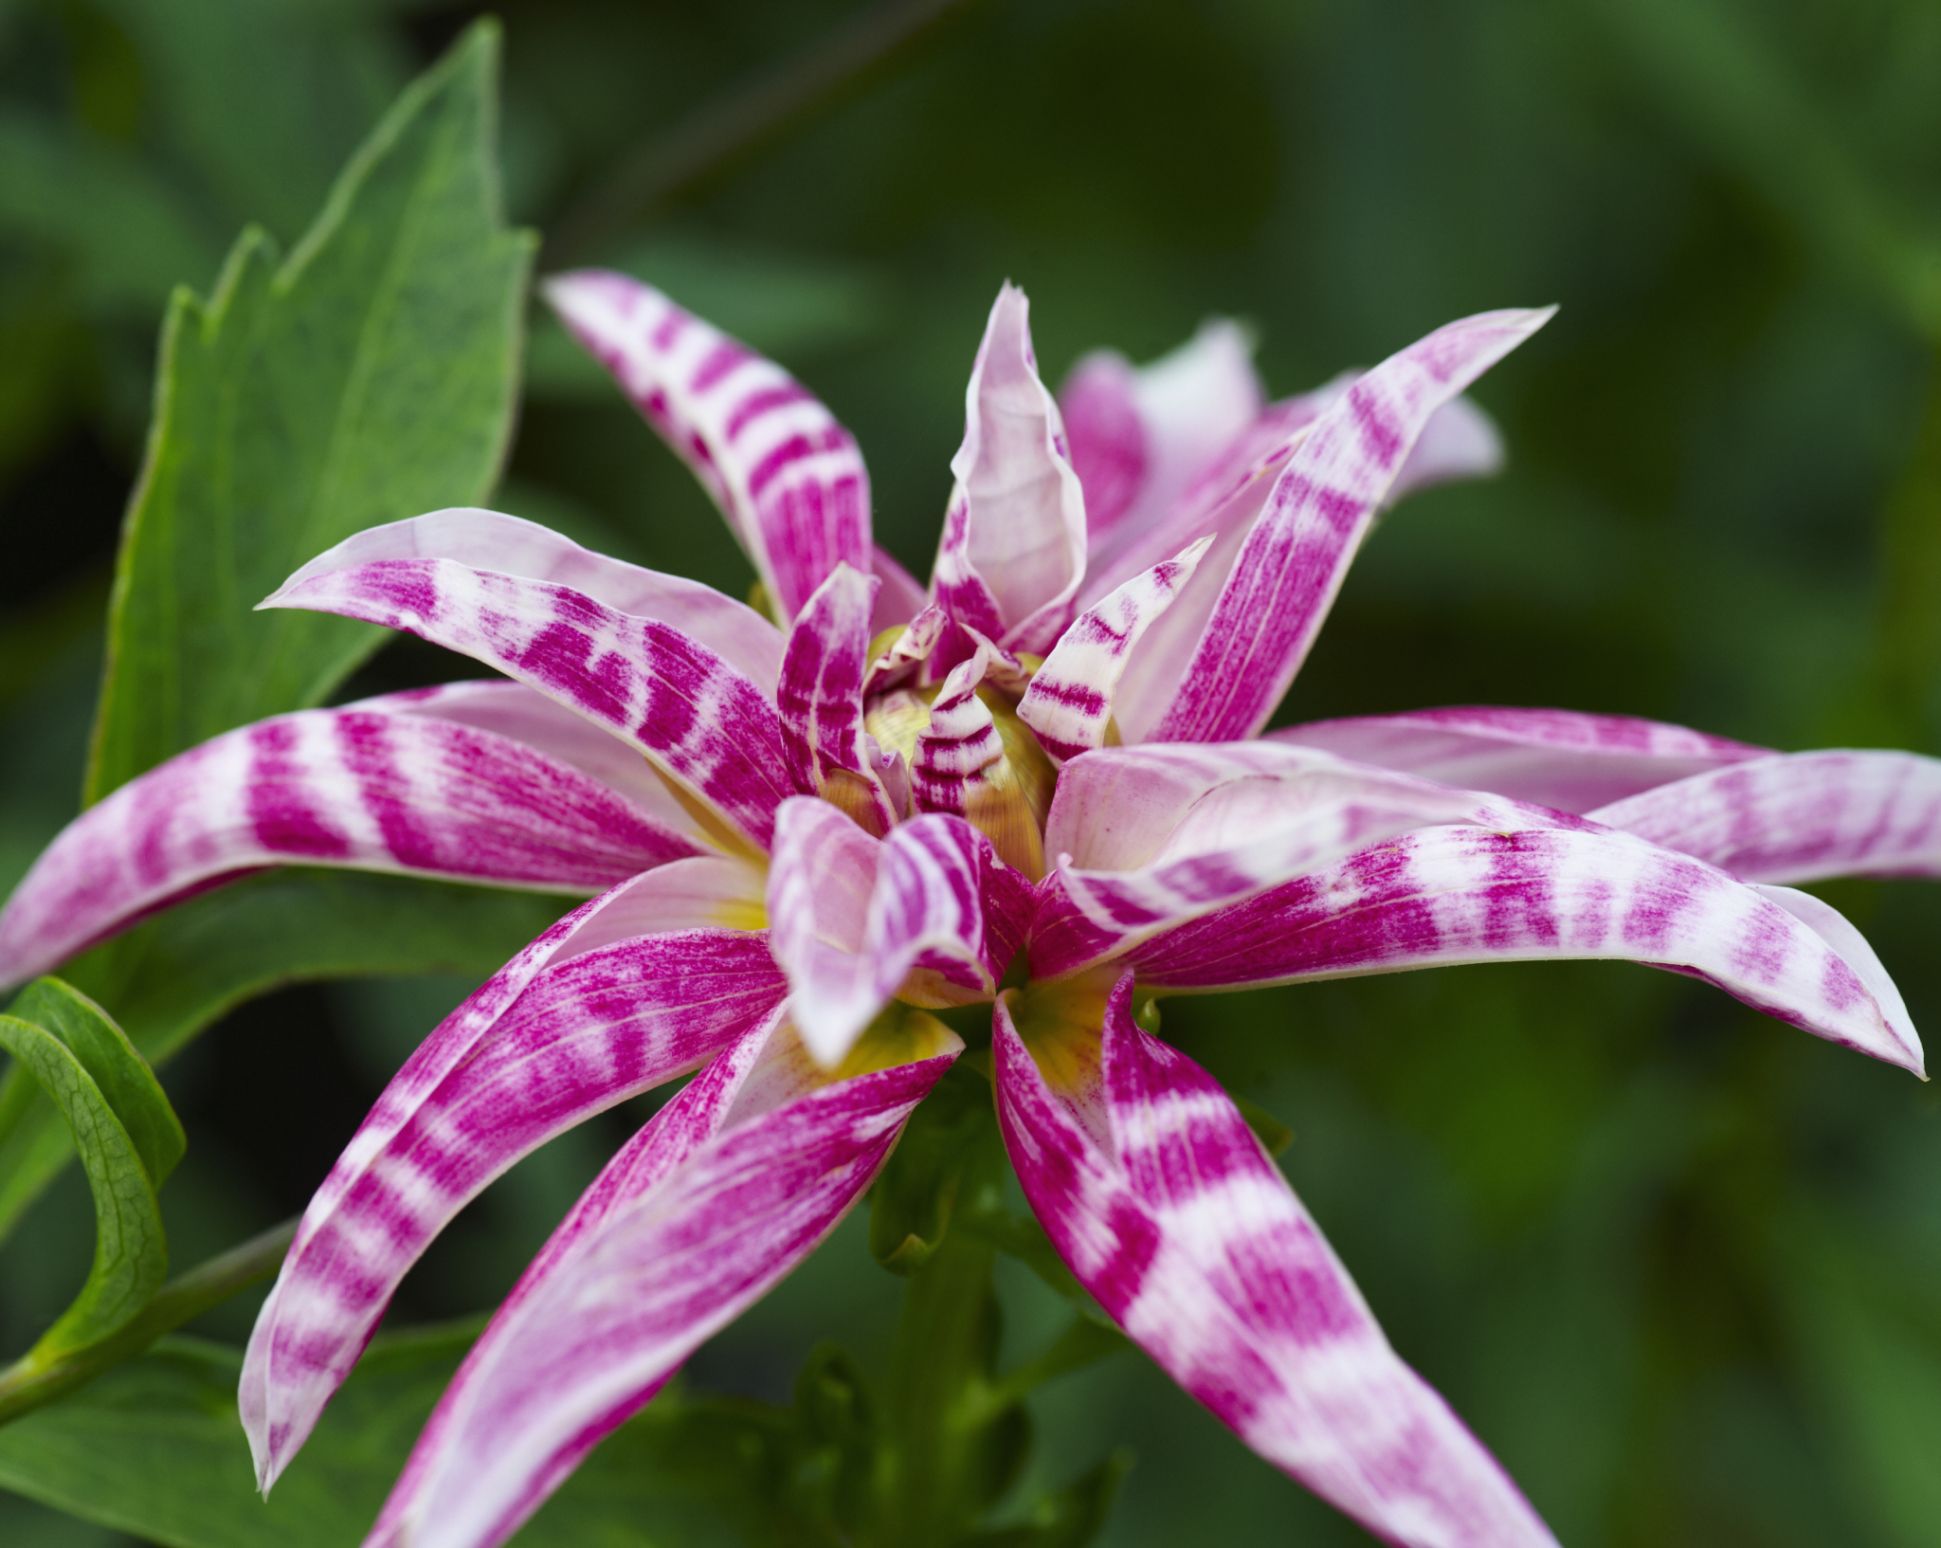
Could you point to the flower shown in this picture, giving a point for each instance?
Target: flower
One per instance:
(1052, 759)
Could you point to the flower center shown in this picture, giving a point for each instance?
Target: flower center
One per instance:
(1005, 797)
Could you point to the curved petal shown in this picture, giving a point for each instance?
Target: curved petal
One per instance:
(1558, 758)
(929, 914)
(510, 545)
(732, 1186)
(1013, 550)
(362, 788)
(1139, 435)
(902, 596)
(1797, 817)
(558, 1035)
(1320, 507)
(1448, 895)
(1148, 837)
(1156, 1193)
(703, 722)
(1070, 700)
(788, 477)
(820, 696)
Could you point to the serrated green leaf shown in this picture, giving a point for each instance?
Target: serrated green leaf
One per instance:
(367, 377)
(155, 1449)
(172, 976)
(106, 1096)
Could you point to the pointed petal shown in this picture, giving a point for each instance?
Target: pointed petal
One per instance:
(508, 545)
(1149, 837)
(1070, 700)
(820, 696)
(1460, 442)
(929, 914)
(786, 474)
(1558, 758)
(1798, 817)
(1140, 435)
(1013, 550)
(1447, 895)
(681, 1234)
(362, 788)
(701, 721)
(1321, 505)
(1156, 1193)
(539, 1048)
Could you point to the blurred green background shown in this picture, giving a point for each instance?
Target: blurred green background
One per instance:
(1679, 1266)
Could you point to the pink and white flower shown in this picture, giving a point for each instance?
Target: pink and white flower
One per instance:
(1051, 765)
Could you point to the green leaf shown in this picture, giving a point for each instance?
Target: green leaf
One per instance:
(155, 1449)
(128, 1140)
(367, 377)
(172, 976)
(1069, 1517)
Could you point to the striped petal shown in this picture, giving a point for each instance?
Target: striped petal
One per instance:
(1448, 895)
(1070, 700)
(704, 723)
(1798, 817)
(1156, 1193)
(1013, 549)
(509, 545)
(1560, 758)
(558, 1035)
(1139, 435)
(788, 477)
(726, 1191)
(929, 915)
(820, 695)
(1149, 837)
(374, 787)
(1320, 507)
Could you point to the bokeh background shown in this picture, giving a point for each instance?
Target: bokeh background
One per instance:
(1681, 1267)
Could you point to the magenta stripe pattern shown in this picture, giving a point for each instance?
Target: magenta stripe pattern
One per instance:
(1156, 1193)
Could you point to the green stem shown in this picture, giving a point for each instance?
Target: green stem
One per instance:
(26, 1385)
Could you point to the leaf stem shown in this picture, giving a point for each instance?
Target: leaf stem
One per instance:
(26, 1385)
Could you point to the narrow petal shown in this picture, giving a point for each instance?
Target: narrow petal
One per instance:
(1156, 1193)
(1559, 758)
(1149, 837)
(969, 763)
(1070, 700)
(1013, 550)
(1447, 895)
(700, 720)
(1140, 435)
(508, 545)
(556, 1036)
(365, 788)
(820, 696)
(1799, 817)
(729, 1189)
(930, 915)
(1321, 505)
(901, 598)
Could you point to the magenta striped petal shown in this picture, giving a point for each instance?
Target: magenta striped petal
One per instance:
(701, 721)
(1448, 895)
(508, 545)
(1156, 1193)
(787, 476)
(1069, 702)
(1149, 837)
(1797, 817)
(1140, 435)
(820, 696)
(1321, 505)
(732, 1186)
(1560, 758)
(929, 914)
(1013, 550)
(574, 1025)
(365, 788)
(960, 742)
